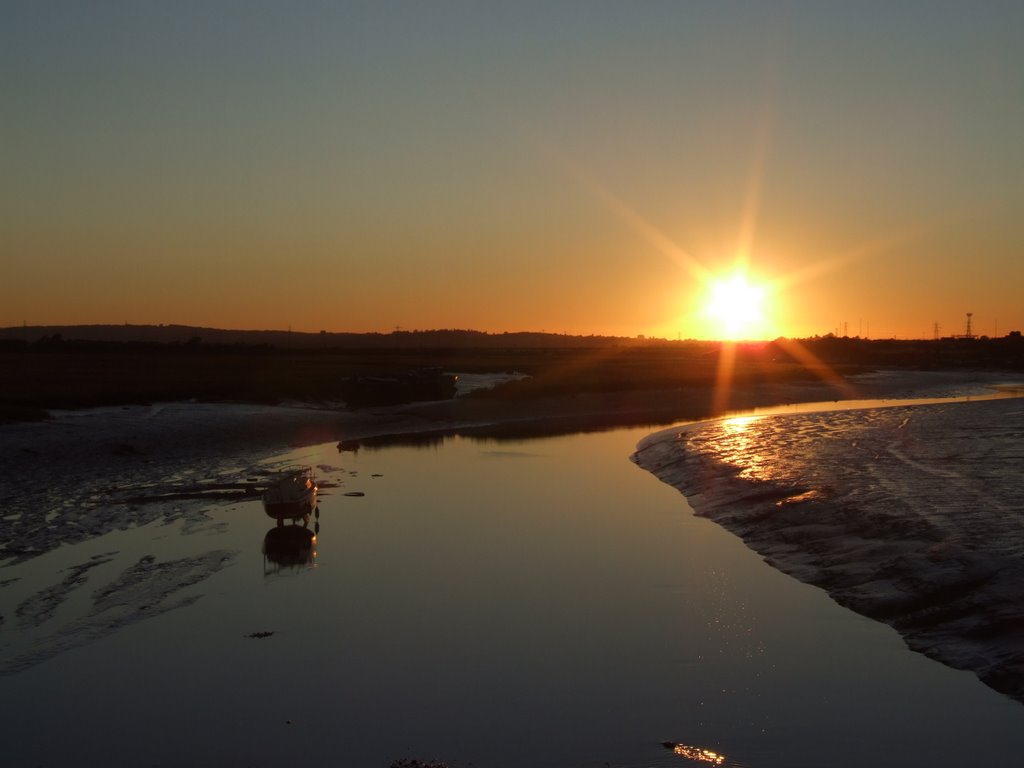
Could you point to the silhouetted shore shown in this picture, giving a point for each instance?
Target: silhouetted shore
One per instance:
(565, 375)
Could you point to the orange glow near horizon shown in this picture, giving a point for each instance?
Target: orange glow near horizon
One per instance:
(723, 376)
(723, 303)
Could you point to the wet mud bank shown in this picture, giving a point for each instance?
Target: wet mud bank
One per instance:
(908, 515)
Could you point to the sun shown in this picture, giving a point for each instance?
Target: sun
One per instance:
(737, 308)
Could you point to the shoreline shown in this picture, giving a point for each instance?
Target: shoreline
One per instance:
(224, 426)
(87, 472)
(1001, 392)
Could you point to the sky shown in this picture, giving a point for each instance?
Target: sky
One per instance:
(673, 169)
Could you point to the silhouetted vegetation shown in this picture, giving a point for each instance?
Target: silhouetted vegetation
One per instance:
(56, 371)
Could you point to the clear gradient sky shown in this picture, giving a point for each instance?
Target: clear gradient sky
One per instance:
(580, 167)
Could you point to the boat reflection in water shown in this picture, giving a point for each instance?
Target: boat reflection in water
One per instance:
(291, 547)
(290, 500)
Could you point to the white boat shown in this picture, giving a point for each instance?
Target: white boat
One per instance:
(291, 496)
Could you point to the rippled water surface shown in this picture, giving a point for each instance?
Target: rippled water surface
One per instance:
(531, 603)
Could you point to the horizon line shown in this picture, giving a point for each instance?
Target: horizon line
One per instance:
(555, 334)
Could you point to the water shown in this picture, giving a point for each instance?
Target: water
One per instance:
(531, 603)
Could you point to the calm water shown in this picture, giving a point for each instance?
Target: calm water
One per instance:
(533, 603)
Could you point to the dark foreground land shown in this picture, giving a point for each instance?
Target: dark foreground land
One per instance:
(625, 380)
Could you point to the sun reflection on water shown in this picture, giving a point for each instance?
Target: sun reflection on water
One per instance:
(698, 754)
(738, 446)
(738, 424)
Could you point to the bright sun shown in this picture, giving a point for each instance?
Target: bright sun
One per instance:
(736, 308)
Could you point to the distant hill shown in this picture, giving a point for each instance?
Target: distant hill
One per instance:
(184, 334)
